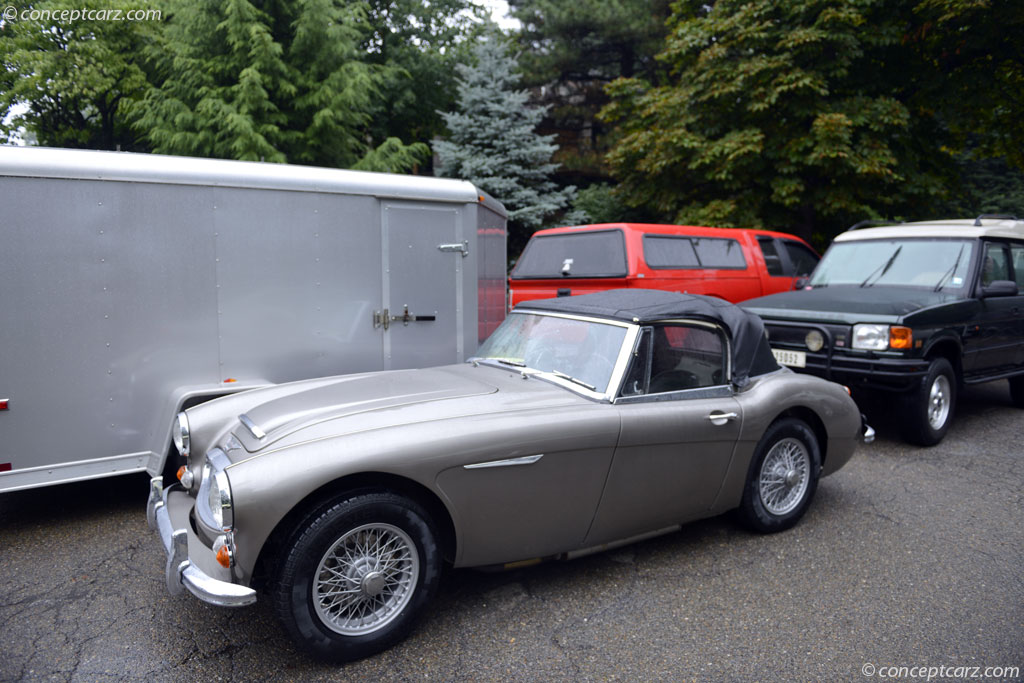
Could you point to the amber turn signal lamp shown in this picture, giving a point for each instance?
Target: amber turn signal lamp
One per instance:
(181, 472)
(900, 337)
(224, 557)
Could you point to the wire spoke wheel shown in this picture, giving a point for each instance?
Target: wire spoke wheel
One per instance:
(784, 476)
(365, 579)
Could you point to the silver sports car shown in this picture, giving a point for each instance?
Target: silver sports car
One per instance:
(581, 424)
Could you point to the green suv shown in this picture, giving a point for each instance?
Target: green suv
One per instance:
(915, 309)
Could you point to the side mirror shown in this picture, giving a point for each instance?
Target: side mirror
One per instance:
(801, 282)
(999, 288)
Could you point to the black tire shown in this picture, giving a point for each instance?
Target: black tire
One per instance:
(1017, 391)
(773, 499)
(385, 600)
(928, 411)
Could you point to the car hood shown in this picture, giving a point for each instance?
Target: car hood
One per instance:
(386, 399)
(847, 304)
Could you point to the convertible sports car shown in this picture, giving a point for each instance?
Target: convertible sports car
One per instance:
(582, 423)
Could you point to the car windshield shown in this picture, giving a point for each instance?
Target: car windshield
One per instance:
(581, 351)
(935, 264)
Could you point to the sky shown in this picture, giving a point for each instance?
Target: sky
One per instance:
(499, 12)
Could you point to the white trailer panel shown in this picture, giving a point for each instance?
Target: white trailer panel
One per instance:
(134, 284)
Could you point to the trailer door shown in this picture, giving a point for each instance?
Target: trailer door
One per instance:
(423, 252)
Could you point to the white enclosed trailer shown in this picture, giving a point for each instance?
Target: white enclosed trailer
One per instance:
(133, 285)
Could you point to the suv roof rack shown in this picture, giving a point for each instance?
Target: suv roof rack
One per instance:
(871, 222)
(1001, 216)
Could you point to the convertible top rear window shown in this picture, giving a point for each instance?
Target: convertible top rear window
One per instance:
(581, 254)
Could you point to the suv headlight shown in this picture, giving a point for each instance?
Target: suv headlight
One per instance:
(180, 434)
(213, 502)
(882, 337)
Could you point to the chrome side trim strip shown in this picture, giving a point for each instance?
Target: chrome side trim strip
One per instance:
(525, 460)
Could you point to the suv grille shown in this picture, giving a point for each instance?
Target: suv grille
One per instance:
(793, 335)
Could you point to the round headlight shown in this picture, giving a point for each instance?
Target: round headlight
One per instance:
(180, 434)
(814, 341)
(213, 502)
(216, 502)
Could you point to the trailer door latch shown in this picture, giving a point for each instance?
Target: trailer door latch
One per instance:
(461, 247)
(383, 319)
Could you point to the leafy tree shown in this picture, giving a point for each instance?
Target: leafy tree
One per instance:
(70, 83)
(421, 43)
(778, 114)
(571, 51)
(970, 69)
(280, 80)
(493, 143)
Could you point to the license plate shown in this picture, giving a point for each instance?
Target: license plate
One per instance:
(794, 359)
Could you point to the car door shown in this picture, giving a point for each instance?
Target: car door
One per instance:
(1017, 259)
(995, 344)
(679, 427)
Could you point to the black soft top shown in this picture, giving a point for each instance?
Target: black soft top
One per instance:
(751, 355)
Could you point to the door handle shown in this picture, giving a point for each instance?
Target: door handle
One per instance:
(719, 418)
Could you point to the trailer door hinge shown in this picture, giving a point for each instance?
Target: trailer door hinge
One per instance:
(384, 319)
(462, 247)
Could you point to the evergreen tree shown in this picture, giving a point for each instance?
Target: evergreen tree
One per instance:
(422, 42)
(280, 80)
(494, 143)
(570, 52)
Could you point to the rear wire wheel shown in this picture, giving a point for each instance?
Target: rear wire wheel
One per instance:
(782, 477)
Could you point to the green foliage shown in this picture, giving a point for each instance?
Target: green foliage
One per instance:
(71, 83)
(570, 51)
(970, 69)
(600, 204)
(493, 143)
(420, 43)
(777, 114)
(278, 81)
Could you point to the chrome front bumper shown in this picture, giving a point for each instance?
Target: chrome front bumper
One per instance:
(180, 571)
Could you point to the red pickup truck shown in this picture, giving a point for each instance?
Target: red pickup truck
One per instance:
(732, 264)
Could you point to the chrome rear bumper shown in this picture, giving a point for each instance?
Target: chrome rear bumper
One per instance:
(180, 572)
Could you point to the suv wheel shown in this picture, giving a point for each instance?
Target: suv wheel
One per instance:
(929, 409)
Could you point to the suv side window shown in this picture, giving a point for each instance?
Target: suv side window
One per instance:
(1017, 253)
(996, 265)
(772, 261)
(803, 259)
(692, 252)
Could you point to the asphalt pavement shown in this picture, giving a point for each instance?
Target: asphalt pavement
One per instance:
(910, 559)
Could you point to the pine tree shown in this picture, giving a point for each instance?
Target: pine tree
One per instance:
(494, 143)
(277, 81)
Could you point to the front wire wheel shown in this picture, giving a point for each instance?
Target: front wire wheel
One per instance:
(365, 579)
(356, 575)
(782, 477)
